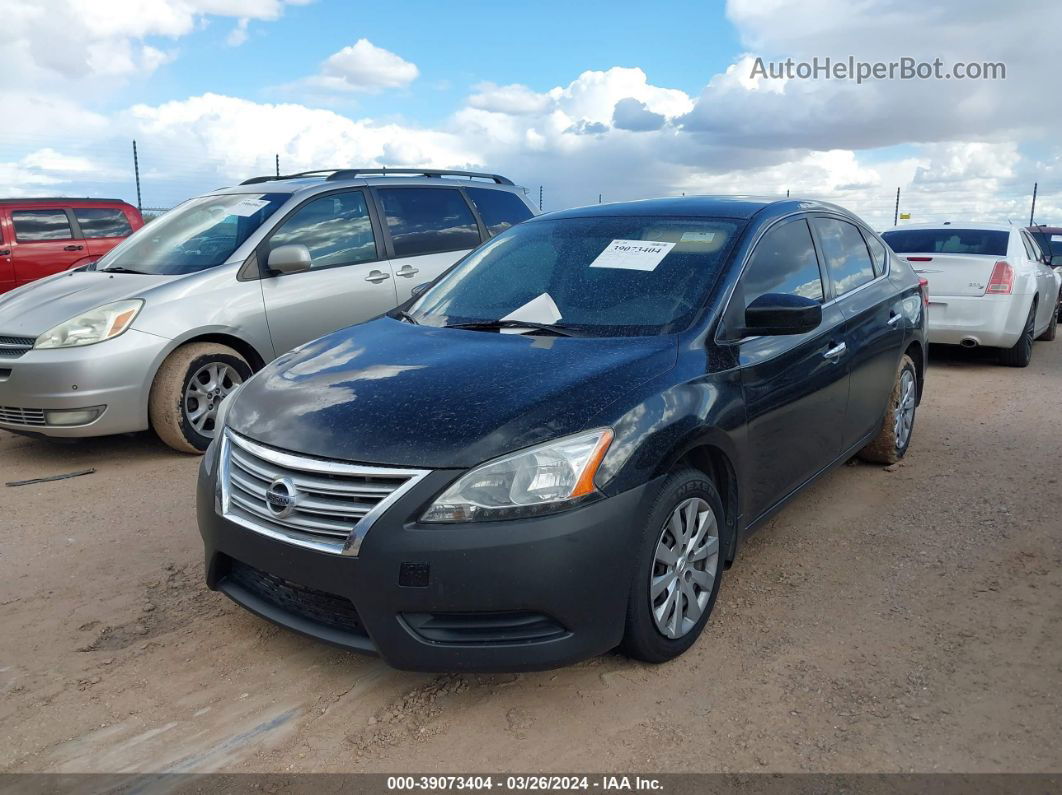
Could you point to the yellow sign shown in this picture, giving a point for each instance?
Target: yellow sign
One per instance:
(905, 216)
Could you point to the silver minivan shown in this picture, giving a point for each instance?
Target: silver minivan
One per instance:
(161, 328)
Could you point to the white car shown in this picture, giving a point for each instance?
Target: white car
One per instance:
(988, 285)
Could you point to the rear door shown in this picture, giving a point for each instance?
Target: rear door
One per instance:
(856, 263)
(795, 386)
(102, 227)
(350, 280)
(44, 242)
(7, 267)
(428, 229)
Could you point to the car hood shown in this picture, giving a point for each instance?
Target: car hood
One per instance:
(388, 392)
(32, 309)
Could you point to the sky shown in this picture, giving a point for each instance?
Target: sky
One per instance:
(611, 100)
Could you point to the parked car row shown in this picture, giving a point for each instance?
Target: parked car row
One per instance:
(204, 296)
(447, 430)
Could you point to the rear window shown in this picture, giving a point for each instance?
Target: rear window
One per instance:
(31, 225)
(428, 220)
(499, 209)
(102, 222)
(989, 242)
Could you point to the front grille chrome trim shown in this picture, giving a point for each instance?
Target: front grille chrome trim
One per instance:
(317, 525)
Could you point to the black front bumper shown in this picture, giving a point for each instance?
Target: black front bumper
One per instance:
(496, 596)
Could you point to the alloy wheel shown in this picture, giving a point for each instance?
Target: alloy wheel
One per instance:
(204, 393)
(684, 568)
(905, 409)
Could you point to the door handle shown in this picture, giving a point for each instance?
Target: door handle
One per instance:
(376, 277)
(5, 252)
(407, 271)
(895, 319)
(72, 248)
(835, 352)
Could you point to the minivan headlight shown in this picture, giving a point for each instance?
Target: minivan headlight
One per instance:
(542, 479)
(99, 324)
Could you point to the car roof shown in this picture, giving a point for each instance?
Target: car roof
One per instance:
(57, 199)
(737, 207)
(1050, 230)
(955, 225)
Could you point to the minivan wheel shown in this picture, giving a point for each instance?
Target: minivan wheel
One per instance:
(891, 443)
(1021, 354)
(187, 391)
(678, 571)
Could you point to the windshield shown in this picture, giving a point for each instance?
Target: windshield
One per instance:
(1049, 242)
(989, 242)
(614, 276)
(199, 234)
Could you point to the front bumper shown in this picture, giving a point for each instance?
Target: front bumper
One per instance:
(563, 579)
(116, 374)
(993, 320)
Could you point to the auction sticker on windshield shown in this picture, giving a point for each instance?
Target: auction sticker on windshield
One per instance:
(246, 207)
(635, 255)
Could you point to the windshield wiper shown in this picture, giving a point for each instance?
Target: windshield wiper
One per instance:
(488, 325)
(120, 269)
(402, 314)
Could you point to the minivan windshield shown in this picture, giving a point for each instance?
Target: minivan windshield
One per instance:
(602, 276)
(199, 234)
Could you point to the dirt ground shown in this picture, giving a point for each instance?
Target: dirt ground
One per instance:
(905, 620)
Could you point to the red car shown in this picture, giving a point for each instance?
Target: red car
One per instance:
(39, 237)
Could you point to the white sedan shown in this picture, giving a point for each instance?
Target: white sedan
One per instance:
(988, 285)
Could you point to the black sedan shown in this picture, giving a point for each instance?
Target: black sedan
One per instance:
(558, 447)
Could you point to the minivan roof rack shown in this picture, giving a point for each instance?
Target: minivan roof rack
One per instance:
(351, 173)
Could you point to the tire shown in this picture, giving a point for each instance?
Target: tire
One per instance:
(173, 403)
(897, 427)
(1021, 354)
(643, 638)
(1052, 329)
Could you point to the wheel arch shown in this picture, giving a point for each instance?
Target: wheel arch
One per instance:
(918, 356)
(714, 457)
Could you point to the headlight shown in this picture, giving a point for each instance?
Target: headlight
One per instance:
(542, 479)
(97, 325)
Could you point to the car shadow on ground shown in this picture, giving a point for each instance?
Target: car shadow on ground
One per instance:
(28, 457)
(957, 356)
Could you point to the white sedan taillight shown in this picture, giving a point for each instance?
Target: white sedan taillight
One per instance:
(1002, 280)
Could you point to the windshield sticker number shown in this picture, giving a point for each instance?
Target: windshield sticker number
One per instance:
(247, 207)
(697, 237)
(634, 255)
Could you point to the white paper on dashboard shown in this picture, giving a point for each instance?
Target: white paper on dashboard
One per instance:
(634, 255)
(1056, 238)
(538, 310)
(246, 207)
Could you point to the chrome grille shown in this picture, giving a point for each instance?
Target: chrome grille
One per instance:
(19, 416)
(13, 347)
(327, 505)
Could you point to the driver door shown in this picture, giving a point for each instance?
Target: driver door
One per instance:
(349, 280)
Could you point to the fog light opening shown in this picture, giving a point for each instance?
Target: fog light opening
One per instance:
(70, 417)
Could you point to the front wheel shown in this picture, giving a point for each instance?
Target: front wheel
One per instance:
(891, 443)
(189, 388)
(678, 571)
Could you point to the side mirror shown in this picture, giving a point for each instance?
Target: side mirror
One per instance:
(775, 314)
(419, 290)
(292, 258)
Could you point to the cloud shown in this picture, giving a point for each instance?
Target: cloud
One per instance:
(238, 35)
(514, 100)
(363, 67)
(630, 114)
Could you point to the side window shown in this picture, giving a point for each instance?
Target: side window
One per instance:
(877, 252)
(499, 209)
(428, 220)
(102, 222)
(847, 258)
(31, 225)
(784, 262)
(336, 229)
